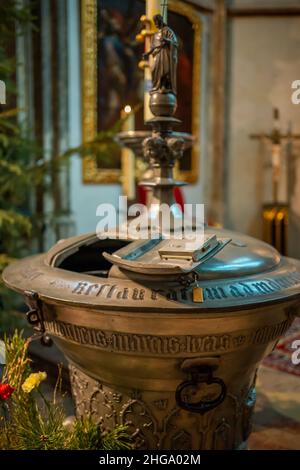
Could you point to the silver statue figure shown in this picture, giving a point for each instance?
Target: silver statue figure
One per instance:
(164, 50)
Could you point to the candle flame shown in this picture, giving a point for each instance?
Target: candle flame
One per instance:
(127, 109)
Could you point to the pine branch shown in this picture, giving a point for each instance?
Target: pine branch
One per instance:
(38, 423)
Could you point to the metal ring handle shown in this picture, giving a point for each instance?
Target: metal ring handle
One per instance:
(201, 406)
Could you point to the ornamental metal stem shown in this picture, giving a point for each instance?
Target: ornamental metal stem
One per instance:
(164, 146)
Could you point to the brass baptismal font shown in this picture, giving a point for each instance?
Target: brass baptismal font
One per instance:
(161, 336)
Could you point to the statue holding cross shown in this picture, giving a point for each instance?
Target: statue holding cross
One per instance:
(164, 47)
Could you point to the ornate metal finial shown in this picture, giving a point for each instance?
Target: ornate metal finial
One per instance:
(164, 146)
(164, 51)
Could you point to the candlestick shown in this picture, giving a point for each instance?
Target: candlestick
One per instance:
(127, 155)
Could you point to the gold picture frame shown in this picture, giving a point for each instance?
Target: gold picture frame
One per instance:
(91, 173)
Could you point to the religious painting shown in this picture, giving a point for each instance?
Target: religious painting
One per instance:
(112, 78)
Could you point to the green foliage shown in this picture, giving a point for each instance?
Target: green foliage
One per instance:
(39, 426)
(87, 434)
(31, 421)
(13, 16)
(117, 439)
(16, 179)
(17, 361)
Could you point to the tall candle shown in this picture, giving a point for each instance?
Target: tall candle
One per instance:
(276, 151)
(127, 155)
(276, 154)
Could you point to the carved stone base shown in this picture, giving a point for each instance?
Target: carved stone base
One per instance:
(157, 423)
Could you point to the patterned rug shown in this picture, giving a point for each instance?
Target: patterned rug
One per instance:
(281, 357)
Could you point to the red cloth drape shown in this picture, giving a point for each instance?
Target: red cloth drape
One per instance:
(178, 196)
